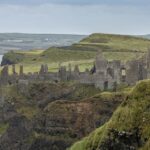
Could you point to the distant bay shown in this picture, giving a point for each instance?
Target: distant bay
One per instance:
(20, 41)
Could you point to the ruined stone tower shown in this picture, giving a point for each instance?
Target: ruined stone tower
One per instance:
(100, 63)
(21, 71)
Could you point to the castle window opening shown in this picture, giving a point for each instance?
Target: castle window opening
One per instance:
(110, 72)
(106, 85)
(123, 74)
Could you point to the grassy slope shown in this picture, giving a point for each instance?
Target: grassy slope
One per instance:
(32, 60)
(133, 113)
(113, 46)
(117, 42)
(121, 47)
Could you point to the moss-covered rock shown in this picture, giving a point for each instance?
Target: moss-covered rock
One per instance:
(129, 127)
(53, 116)
(3, 128)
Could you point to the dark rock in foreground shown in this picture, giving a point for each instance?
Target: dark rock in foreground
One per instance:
(57, 123)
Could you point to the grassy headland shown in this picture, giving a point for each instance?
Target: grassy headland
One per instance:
(128, 127)
(119, 47)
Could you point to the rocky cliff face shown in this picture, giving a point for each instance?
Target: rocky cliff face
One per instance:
(51, 116)
(128, 128)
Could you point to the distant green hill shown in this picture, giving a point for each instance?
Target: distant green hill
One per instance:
(129, 127)
(119, 47)
(119, 43)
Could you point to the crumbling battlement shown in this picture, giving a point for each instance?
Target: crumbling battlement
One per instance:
(104, 74)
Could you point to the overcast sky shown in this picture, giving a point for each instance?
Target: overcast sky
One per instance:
(75, 16)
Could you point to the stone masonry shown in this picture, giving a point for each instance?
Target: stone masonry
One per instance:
(104, 74)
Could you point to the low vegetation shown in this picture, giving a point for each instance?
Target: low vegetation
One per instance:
(54, 115)
(118, 47)
(119, 43)
(3, 128)
(129, 126)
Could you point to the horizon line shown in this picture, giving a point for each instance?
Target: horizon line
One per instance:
(78, 34)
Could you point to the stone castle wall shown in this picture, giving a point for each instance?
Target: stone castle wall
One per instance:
(104, 74)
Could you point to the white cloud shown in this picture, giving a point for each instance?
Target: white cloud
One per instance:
(86, 19)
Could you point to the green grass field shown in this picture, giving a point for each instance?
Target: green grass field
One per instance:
(114, 47)
(32, 60)
(118, 42)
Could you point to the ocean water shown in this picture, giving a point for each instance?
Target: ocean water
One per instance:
(18, 41)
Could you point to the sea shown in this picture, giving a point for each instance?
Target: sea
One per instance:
(21, 41)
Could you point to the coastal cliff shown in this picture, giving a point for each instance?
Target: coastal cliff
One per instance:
(52, 116)
(128, 128)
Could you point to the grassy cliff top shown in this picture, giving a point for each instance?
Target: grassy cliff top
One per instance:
(118, 47)
(128, 127)
(112, 42)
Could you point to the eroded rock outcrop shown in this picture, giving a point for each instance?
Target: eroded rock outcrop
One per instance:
(52, 116)
(128, 128)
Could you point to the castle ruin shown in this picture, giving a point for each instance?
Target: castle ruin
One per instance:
(104, 74)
